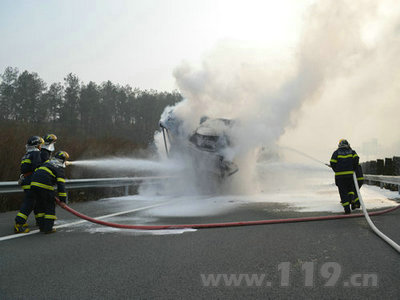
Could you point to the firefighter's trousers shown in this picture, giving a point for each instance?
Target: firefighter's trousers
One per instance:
(28, 204)
(345, 185)
(46, 207)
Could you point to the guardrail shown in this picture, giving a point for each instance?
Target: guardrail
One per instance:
(384, 179)
(70, 184)
(13, 187)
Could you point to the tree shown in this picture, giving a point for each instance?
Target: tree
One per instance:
(54, 100)
(28, 94)
(70, 109)
(91, 109)
(108, 110)
(121, 107)
(7, 93)
(88, 105)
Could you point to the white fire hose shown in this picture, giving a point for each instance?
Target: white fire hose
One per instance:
(370, 223)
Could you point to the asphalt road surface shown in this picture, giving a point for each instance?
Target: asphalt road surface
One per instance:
(337, 259)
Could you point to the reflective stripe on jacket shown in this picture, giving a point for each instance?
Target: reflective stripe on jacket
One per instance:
(29, 162)
(344, 161)
(48, 176)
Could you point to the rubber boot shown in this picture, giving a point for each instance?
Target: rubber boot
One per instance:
(347, 209)
(357, 204)
(50, 231)
(21, 228)
(39, 222)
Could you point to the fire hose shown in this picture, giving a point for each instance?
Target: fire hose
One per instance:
(370, 223)
(215, 225)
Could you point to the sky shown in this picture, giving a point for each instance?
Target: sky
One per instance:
(302, 74)
(139, 43)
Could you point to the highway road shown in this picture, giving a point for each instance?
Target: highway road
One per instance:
(314, 260)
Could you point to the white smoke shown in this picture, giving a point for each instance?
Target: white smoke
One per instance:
(355, 46)
(341, 81)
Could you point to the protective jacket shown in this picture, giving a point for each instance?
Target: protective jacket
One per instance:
(29, 162)
(344, 161)
(45, 154)
(49, 175)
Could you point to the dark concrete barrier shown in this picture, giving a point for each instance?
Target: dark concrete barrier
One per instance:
(396, 165)
(380, 164)
(373, 167)
(388, 167)
(369, 167)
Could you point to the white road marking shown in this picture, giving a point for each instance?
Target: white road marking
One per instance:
(13, 236)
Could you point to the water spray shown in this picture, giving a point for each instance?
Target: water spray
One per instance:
(128, 164)
(305, 155)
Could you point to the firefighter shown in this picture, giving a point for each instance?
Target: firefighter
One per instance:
(43, 183)
(30, 161)
(48, 147)
(344, 162)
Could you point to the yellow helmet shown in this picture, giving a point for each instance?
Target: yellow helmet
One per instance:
(343, 143)
(62, 155)
(35, 141)
(50, 138)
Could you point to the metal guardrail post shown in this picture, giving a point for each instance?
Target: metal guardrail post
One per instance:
(126, 190)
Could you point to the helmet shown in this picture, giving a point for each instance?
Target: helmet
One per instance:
(49, 141)
(343, 144)
(50, 138)
(62, 155)
(35, 141)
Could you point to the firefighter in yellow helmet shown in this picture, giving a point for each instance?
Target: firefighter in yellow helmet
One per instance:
(344, 162)
(51, 173)
(29, 162)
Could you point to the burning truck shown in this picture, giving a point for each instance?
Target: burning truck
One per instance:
(208, 147)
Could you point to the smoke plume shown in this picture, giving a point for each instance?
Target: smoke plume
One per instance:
(341, 81)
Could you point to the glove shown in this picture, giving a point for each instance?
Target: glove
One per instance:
(64, 199)
(62, 202)
(21, 177)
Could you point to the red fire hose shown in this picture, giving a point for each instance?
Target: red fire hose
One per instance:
(215, 225)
